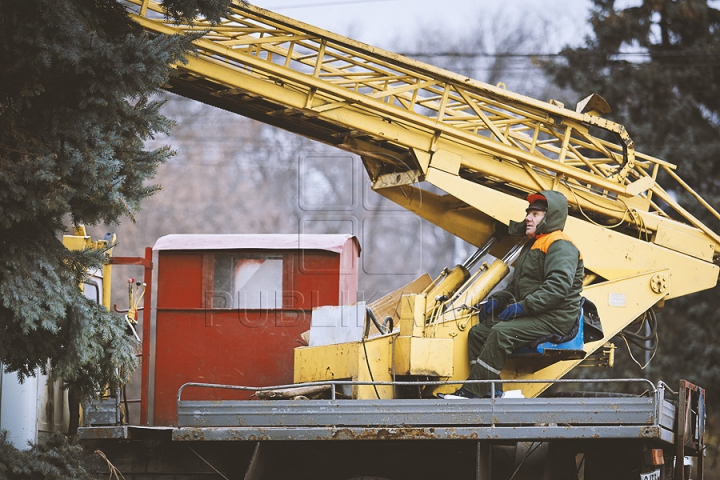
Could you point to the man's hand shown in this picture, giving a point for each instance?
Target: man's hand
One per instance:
(513, 310)
(487, 309)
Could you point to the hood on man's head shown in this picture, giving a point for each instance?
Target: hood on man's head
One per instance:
(556, 214)
(555, 206)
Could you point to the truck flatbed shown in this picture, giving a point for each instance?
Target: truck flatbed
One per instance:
(648, 416)
(499, 419)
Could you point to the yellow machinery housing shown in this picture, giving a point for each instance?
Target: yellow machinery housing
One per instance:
(486, 148)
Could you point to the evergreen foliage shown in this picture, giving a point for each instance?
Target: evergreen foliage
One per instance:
(187, 10)
(77, 85)
(657, 66)
(52, 459)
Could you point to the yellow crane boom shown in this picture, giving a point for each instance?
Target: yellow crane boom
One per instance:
(397, 113)
(484, 146)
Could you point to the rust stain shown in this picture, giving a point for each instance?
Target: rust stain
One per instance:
(99, 434)
(192, 435)
(383, 434)
(648, 433)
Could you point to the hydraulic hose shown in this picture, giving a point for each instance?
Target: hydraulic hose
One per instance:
(641, 341)
(382, 327)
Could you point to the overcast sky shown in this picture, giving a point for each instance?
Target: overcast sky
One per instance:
(383, 23)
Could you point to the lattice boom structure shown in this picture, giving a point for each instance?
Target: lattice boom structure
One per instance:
(402, 116)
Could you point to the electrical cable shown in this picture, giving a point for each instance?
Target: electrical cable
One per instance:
(636, 338)
(324, 4)
(371, 315)
(367, 361)
(635, 217)
(638, 221)
(460, 54)
(632, 357)
(640, 341)
(576, 195)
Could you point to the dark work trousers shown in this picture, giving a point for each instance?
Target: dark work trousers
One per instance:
(490, 343)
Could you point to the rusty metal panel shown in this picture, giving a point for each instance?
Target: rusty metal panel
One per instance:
(103, 433)
(530, 432)
(124, 432)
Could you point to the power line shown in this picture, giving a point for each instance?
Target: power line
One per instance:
(555, 55)
(477, 54)
(325, 4)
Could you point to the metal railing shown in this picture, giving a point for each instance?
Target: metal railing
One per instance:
(651, 388)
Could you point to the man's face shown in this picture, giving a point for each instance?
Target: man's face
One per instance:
(533, 218)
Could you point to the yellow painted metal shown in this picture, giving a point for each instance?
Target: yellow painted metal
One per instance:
(447, 161)
(424, 357)
(347, 361)
(389, 304)
(486, 147)
(607, 252)
(449, 284)
(107, 285)
(455, 327)
(488, 278)
(412, 111)
(446, 211)
(681, 238)
(107, 271)
(80, 240)
(455, 321)
(412, 315)
(77, 242)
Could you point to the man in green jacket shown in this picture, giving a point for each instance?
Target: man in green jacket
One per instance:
(543, 297)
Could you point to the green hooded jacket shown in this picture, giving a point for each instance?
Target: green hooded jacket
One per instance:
(549, 271)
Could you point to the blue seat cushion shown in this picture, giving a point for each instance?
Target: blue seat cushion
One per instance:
(574, 345)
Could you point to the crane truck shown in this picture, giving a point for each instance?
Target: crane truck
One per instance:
(227, 390)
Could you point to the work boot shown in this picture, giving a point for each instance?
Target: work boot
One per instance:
(498, 393)
(460, 394)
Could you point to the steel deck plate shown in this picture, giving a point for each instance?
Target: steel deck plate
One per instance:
(418, 433)
(420, 412)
